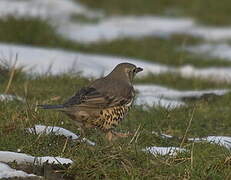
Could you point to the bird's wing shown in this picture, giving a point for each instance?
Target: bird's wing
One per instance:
(92, 98)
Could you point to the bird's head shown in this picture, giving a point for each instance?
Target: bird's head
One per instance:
(126, 71)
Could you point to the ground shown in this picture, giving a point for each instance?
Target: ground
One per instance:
(122, 159)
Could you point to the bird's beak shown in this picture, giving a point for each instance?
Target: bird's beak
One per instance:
(138, 69)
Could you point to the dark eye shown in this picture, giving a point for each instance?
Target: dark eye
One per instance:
(134, 70)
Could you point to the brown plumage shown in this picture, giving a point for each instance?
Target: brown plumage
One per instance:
(103, 103)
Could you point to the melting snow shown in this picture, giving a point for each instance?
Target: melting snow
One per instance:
(8, 97)
(125, 26)
(167, 93)
(154, 95)
(212, 50)
(56, 10)
(21, 158)
(224, 141)
(59, 12)
(214, 74)
(164, 150)
(150, 100)
(40, 60)
(41, 129)
(7, 172)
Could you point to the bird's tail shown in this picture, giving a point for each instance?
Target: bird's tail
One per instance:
(45, 106)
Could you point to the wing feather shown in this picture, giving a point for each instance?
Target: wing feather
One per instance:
(90, 97)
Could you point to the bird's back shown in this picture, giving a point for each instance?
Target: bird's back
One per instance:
(102, 104)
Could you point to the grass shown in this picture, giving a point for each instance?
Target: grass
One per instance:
(104, 161)
(209, 12)
(122, 159)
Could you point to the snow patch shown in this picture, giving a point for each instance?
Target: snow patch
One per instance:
(211, 33)
(8, 97)
(7, 172)
(59, 13)
(168, 93)
(40, 60)
(224, 141)
(56, 10)
(41, 129)
(54, 61)
(155, 95)
(213, 74)
(117, 27)
(148, 101)
(212, 50)
(22, 158)
(172, 151)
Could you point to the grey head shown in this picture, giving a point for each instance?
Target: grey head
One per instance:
(124, 71)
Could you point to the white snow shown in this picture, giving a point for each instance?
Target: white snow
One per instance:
(168, 93)
(8, 97)
(21, 158)
(155, 95)
(213, 74)
(59, 13)
(211, 33)
(116, 27)
(222, 50)
(39, 60)
(56, 10)
(7, 172)
(172, 151)
(224, 141)
(151, 100)
(41, 129)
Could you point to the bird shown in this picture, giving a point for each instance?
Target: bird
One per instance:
(104, 103)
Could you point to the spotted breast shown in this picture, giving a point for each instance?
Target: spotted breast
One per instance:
(109, 118)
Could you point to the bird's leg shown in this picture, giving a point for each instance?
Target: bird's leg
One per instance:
(82, 132)
(123, 135)
(109, 136)
(112, 135)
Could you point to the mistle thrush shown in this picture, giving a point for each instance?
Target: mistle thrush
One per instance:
(103, 103)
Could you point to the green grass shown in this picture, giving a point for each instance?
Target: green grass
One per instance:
(121, 159)
(210, 12)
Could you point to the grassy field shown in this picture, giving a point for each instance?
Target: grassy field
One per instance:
(211, 117)
(121, 159)
(209, 12)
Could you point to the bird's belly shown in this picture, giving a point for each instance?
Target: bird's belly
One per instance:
(109, 118)
(105, 119)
